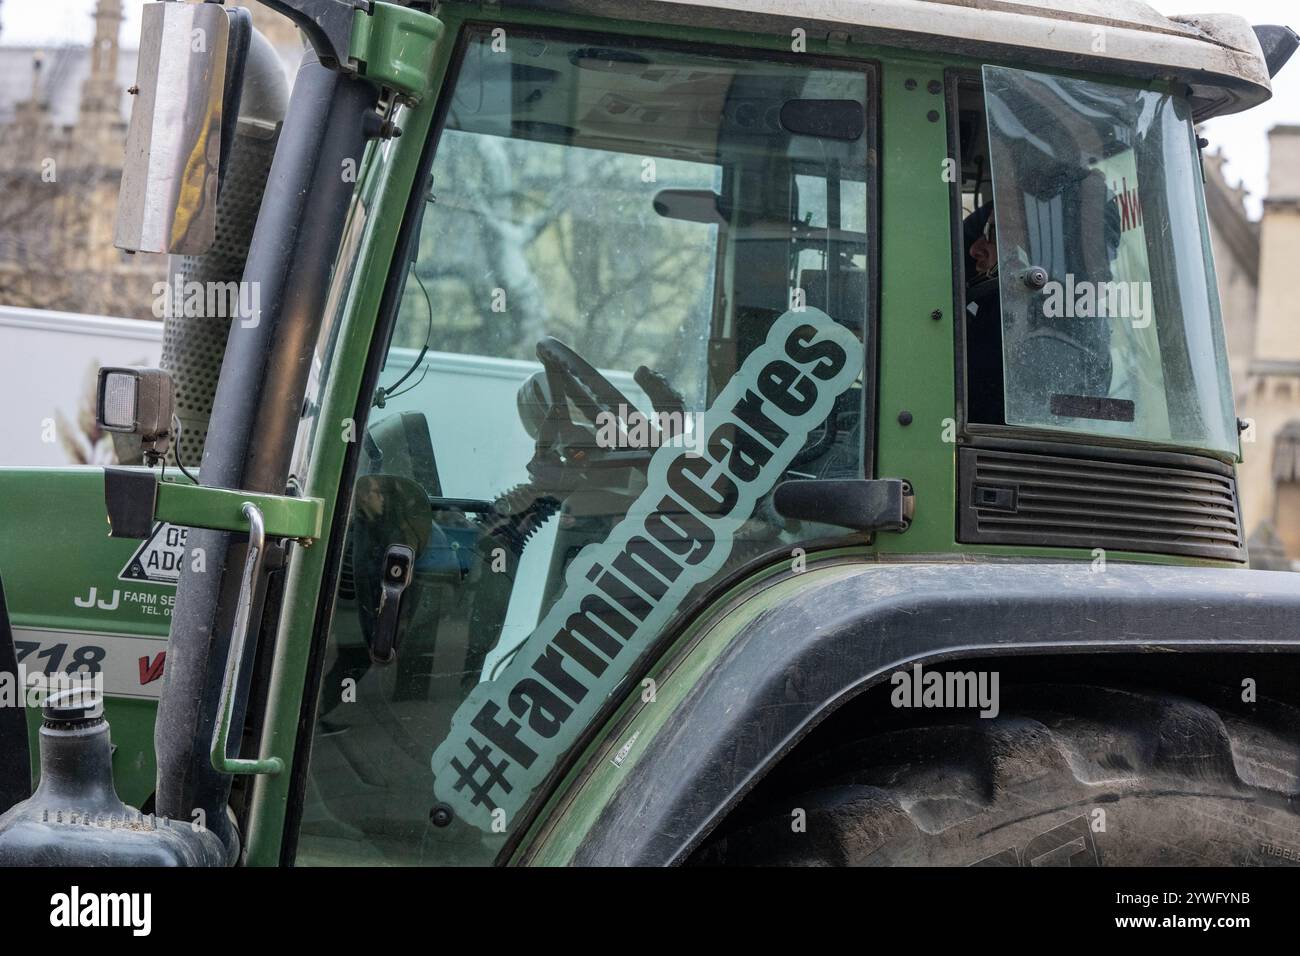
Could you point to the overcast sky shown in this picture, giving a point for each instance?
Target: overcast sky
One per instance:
(1243, 136)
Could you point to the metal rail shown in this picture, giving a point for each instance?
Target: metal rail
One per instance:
(235, 656)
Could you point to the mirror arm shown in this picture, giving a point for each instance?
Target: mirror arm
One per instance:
(327, 25)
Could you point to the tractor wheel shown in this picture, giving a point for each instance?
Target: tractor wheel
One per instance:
(1074, 776)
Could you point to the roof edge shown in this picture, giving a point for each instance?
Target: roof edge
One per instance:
(1216, 55)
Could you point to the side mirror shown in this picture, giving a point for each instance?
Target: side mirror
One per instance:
(137, 401)
(1277, 44)
(187, 65)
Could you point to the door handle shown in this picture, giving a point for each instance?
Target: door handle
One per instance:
(399, 566)
(221, 760)
(879, 504)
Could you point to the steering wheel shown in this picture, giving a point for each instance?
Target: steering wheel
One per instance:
(566, 451)
(571, 375)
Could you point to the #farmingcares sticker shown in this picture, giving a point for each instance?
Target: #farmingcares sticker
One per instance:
(619, 594)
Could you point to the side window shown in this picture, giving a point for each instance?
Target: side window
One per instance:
(980, 314)
(1109, 315)
(640, 299)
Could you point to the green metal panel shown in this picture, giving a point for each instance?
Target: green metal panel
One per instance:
(916, 374)
(63, 583)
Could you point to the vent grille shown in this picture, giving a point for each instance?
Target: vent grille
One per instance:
(1016, 498)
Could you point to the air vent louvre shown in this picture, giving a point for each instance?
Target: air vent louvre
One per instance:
(1020, 498)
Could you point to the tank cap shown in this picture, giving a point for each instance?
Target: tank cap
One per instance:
(73, 704)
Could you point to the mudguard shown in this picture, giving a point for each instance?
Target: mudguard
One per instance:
(727, 707)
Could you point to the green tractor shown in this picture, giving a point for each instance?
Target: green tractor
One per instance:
(678, 432)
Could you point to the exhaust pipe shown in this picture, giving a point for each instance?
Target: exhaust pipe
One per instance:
(193, 345)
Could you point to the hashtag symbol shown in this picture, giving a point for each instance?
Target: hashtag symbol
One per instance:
(481, 790)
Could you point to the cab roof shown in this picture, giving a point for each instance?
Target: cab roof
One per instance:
(1216, 55)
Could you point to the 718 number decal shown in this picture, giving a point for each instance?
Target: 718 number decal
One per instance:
(85, 658)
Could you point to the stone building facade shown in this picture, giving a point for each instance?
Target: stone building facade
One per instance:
(63, 121)
(60, 163)
(1266, 362)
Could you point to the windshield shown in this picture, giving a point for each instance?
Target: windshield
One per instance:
(1110, 321)
(638, 301)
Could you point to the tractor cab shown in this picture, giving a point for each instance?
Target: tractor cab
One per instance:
(635, 385)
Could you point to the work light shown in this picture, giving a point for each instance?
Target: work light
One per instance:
(137, 401)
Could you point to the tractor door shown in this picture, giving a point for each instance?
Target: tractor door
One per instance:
(641, 296)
